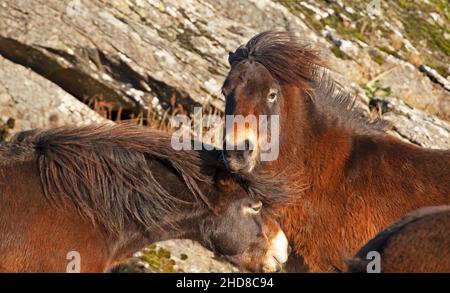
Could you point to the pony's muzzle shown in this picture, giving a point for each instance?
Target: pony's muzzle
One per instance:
(242, 151)
(241, 155)
(277, 254)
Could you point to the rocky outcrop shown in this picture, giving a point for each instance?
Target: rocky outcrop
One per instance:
(28, 101)
(136, 54)
(405, 44)
(417, 126)
(175, 256)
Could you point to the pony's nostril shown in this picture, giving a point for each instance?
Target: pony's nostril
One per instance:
(247, 145)
(248, 148)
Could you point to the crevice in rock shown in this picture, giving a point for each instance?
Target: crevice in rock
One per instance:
(60, 71)
(166, 93)
(114, 80)
(123, 72)
(408, 138)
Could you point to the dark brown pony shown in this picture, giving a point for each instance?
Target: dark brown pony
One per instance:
(108, 191)
(418, 243)
(348, 178)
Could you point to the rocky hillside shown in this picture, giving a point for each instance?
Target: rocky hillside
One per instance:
(61, 60)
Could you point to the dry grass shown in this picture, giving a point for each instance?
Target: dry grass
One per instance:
(152, 118)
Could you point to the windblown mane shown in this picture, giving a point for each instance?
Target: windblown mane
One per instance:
(332, 100)
(288, 59)
(105, 172)
(291, 61)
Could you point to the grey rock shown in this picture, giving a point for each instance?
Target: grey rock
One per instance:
(27, 100)
(417, 126)
(199, 259)
(188, 256)
(435, 76)
(406, 82)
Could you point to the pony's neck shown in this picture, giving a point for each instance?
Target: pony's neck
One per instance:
(187, 225)
(134, 238)
(312, 145)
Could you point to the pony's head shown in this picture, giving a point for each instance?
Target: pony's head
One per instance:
(248, 236)
(271, 66)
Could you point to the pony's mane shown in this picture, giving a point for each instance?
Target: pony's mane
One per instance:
(334, 102)
(287, 58)
(105, 172)
(292, 61)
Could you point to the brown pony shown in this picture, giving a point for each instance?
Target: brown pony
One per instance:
(418, 243)
(348, 178)
(105, 192)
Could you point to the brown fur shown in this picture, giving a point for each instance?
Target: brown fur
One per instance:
(418, 243)
(107, 191)
(360, 179)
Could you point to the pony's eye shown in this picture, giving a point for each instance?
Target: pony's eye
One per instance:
(252, 208)
(272, 97)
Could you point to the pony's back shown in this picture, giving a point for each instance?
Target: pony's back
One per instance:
(420, 242)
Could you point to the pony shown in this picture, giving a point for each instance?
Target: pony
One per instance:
(101, 193)
(348, 178)
(418, 243)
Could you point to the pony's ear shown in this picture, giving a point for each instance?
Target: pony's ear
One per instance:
(238, 55)
(231, 57)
